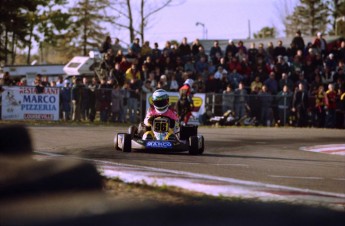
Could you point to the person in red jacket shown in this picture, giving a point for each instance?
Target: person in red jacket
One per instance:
(185, 102)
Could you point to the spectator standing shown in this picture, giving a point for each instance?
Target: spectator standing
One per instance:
(240, 101)
(117, 75)
(331, 62)
(265, 99)
(116, 46)
(272, 84)
(133, 100)
(85, 105)
(220, 72)
(118, 56)
(65, 99)
(38, 83)
(234, 78)
(7, 80)
(300, 105)
(327, 77)
(331, 106)
(156, 52)
(116, 103)
(189, 65)
(146, 89)
(320, 44)
(256, 85)
(59, 82)
(146, 49)
(298, 41)
(104, 99)
(231, 49)
(93, 86)
(125, 93)
(195, 47)
(270, 50)
(172, 83)
(1, 94)
(321, 102)
(213, 85)
(285, 81)
(200, 85)
(201, 53)
(228, 99)
(184, 49)
(201, 65)
(106, 45)
(23, 82)
(135, 47)
(341, 52)
(279, 50)
(280, 67)
(234, 64)
(77, 98)
(215, 49)
(252, 54)
(284, 101)
(133, 72)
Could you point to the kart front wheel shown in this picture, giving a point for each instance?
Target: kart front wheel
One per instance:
(127, 143)
(116, 142)
(194, 146)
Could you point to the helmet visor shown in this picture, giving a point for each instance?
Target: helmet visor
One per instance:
(160, 103)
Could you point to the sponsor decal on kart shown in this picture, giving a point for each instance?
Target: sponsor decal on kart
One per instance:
(159, 144)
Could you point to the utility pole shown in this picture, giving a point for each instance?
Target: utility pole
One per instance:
(249, 30)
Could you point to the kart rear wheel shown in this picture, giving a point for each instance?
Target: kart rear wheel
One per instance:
(188, 131)
(194, 146)
(116, 142)
(127, 143)
(202, 145)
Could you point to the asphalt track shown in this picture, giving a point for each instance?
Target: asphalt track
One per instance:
(264, 155)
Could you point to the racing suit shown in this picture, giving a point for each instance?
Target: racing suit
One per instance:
(170, 113)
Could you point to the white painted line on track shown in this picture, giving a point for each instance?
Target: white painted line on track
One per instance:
(335, 149)
(296, 177)
(211, 185)
(341, 179)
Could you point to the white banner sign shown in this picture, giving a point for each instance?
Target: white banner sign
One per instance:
(23, 103)
(198, 101)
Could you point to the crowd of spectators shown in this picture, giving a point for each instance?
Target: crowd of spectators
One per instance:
(302, 84)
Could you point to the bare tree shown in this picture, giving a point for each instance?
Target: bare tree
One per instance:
(146, 10)
(284, 9)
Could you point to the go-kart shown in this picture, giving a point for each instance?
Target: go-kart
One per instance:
(187, 139)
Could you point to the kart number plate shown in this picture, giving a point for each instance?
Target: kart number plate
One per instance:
(159, 144)
(160, 126)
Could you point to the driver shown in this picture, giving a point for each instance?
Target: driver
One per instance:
(160, 99)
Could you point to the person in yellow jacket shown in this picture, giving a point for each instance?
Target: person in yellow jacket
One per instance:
(133, 72)
(321, 102)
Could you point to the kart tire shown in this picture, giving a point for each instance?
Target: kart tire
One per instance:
(116, 143)
(202, 145)
(187, 131)
(127, 143)
(133, 130)
(193, 148)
